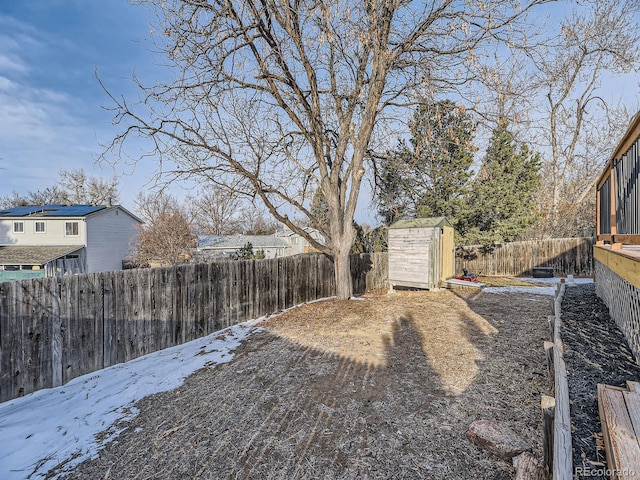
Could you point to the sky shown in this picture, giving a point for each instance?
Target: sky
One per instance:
(44, 428)
(52, 114)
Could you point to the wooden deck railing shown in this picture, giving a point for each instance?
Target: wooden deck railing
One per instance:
(618, 193)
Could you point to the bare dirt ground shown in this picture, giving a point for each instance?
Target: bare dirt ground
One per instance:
(380, 387)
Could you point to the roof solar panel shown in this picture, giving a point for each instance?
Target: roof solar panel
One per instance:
(51, 210)
(22, 211)
(75, 211)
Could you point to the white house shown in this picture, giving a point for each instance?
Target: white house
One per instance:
(223, 246)
(281, 244)
(61, 239)
(297, 243)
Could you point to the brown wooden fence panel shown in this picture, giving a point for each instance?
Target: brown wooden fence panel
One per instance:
(55, 329)
(567, 256)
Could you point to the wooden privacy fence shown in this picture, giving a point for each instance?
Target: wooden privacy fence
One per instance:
(567, 256)
(55, 329)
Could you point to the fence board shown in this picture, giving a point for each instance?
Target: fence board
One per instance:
(146, 339)
(68, 319)
(109, 349)
(162, 298)
(34, 334)
(128, 315)
(202, 300)
(42, 318)
(9, 332)
(53, 299)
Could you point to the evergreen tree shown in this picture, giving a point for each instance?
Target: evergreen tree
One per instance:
(319, 212)
(500, 204)
(359, 244)
(429, 177)
(244, 253)
(393, 185)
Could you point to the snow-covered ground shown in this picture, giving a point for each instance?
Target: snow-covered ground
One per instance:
(44, 428)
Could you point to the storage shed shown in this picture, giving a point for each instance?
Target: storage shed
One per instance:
(421, 252)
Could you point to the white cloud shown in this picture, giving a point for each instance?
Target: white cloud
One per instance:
(7, 84)
(11, 63)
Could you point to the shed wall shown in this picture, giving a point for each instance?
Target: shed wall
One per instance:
(447, 254)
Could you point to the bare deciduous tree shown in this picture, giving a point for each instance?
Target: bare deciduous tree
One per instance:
(216, 211)
(254, 221)
(166, 237)
(599, 39)
(73, 187)
(77, 187)
(283, 98)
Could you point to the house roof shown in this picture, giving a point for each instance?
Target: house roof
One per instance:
(238, 241)
(52, 210)
(422, 223)
(287, 232)
(19, 255)
(59, 210)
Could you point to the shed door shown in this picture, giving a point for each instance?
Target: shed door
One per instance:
(413, 257)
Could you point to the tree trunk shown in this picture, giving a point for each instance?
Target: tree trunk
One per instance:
(342, 266)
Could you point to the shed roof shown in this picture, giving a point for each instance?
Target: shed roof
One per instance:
(24, 255)
(422, 223)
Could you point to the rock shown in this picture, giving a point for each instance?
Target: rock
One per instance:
(497, 438)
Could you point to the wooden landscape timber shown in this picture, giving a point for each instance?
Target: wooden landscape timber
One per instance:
(620, 418)
(556, 416)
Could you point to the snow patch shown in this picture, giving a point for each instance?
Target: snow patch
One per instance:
(42, 429)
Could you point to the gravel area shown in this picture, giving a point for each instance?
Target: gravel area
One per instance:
(595, 352)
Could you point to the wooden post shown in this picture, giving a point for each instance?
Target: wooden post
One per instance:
(598, 212)
(548, 405)
(612, 194)
(548, 351)
(551, 319)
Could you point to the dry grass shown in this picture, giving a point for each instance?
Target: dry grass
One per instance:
(364, 330)
(383, 387)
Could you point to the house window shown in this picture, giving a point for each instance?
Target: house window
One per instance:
(40, 227)
(18, 227)
(71, 229)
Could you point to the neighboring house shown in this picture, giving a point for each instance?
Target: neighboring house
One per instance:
(297, 243)
(282, 244)
(52, 240)
(210, 247)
